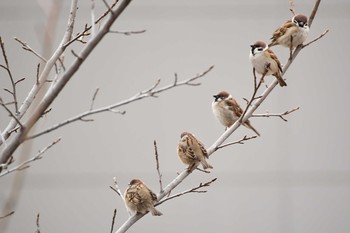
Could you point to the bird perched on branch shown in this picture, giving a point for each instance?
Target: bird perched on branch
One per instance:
(227, 110)
(140, 199)
(265, 61)
(192, 152)
(292, 33)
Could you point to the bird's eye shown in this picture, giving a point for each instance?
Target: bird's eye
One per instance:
(260, 49)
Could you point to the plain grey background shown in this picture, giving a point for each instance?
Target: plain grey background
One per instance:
(295, 178)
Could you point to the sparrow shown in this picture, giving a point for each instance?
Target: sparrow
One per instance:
(295, 30)
(262, 59)
(192, 152)
(140, 199)
(227, 110)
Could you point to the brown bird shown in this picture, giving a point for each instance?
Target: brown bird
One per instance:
(263, 58)
(227, 110)
(192, 152)
(292, 33)
(140, 199)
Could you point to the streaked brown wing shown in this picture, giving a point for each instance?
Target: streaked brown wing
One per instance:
(202, 147)
(274, 57)
(234, 106)
(282, 30)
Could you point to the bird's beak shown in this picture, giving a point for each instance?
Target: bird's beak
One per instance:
(252, 46)
(216, 97)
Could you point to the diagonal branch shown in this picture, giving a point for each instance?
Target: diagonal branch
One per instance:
(241, 141)
(25, 165)
(151, 92)
(192, 190)
(182, 176)
(36, 88)
(54, 91)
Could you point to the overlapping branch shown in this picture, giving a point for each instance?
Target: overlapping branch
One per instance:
(53, 92)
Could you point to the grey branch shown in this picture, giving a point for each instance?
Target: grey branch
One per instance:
(151, 92)
(34, 91)
(128, 33)
(157, 166)
(26, 47)
(24, 164)
(241, 141)
(7, 68)
(58, 86)
(192, 190)
(280, 115)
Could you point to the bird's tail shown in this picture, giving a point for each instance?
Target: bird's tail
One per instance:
(280, 80)
(206, 165)
(155, 212)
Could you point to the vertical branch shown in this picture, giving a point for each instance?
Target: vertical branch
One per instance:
(157, 166)
(7, 68)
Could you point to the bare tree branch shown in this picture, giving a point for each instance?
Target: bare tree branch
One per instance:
(26, 47)
(280, 115)
(192, 190)
(316, 39)
(53, 92)
(10, 113)
(25, 165)
(94, 98)
(119, 192)
(35, 89)
(128, 33)
(7, 68)
(151, 92)
(37, 223)
(241, 141)
(7, 215)
(113, 219)
(157, 166)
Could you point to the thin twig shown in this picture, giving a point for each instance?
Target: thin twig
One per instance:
(37, 223)
(7, 215)
(24, 165)
(26, 47)
(151, 92)
(192, 190)
(116, 188)
(291, 8)
(119, 192)
(37, 73)
(128, 33)
(280, 115)
(157, 166)
(113, 220)
(7, 68)
(241, 141)
(93, 99)
(316, 39)
(87, 28)
(10, 112)
(93, 28)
